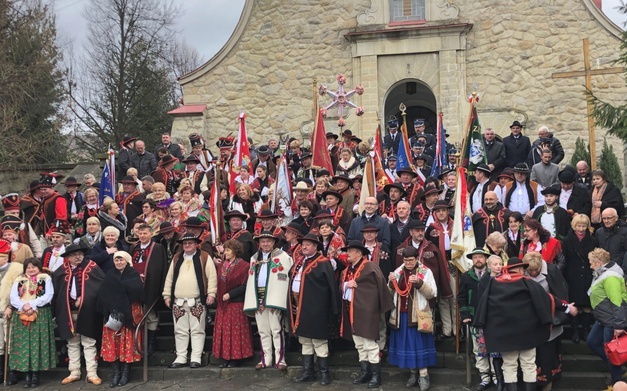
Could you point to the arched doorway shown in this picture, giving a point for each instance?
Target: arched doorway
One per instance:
(419, 100)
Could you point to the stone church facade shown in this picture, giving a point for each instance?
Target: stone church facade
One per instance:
(428, 54)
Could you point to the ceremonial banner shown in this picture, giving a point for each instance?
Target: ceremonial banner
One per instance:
(242, 153)
(319, 151)
(441, 157)
(281, 202)
(404, 150)
(463, 236)
(381, 175)
(367, 183)
(216, 221)
(107, 180)
(474, 152)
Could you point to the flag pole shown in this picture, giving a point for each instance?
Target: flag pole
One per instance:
(473, 99)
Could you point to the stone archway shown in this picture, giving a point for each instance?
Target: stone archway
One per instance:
(419, 100)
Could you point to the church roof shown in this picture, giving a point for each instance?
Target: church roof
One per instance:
(188, 110)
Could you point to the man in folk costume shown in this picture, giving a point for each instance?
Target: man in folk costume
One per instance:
(449, 183)
(423, 211)
(74, 198)
(439, 233)
(151, 262)
(200, 152)
(76, 285)
(263, 159)
(123, 160)
(491, 217)
(333, 149)
(574, 197)
(314, 299)
(522, 197)
(407, 176)
(343, 184)
(195, 174)
(307, 170)
(347, 141)
(468, 299)
(394, 193)
(226, 145)
(292, 233)
(165, 174)
(10, 232)
(364, 298)
(9, 271)
(58, 235)
(301, 193)
(54, 206)
(235, 220)
(266, 297)
(430, 256)
(168, 238)
(340, 216)
(411, 337)
(191, 283)
(551, 215)
(503, 184)
(11, 204)
(267, 222)
(483, 184)
(130, 200)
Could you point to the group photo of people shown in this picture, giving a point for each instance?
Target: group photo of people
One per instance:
(204, 239)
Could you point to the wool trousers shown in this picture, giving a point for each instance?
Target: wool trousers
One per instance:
(189, 325)
(270, 326)
(527, 359)
(368, 349)
(318, 346)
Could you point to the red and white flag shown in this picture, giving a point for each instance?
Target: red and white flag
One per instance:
(242, 152)
(216, 213)
(319, 151)
(281, 202)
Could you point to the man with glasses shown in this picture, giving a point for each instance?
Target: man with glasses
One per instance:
(612, 237)
(370, 215)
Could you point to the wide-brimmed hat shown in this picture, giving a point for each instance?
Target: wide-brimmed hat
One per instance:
(485, 168)
(235, 213)
(447, 170)
(305, 155)
(167, 159)
(166, 227)
(370, 227)
(322, 172)
(189, 236)
(294, 228)
(128, 180)
(516, 123)
(342, 177)
(521, 168)
(347, 133)
(323, 214)
(191, 159)
(555, 190)
(506, 174)
(395, 185)
(267, 214)
(358, 245)
(74, 248)
(440, 204)
(34, 185)
(311, 237)
(333, 193)
(355, 139)
(71, 181)
(263, 150)
(430, 190)
(193, 222)
(126, 140)
(406, 170)
(477, 250)
(567, 175)
(332, 135)
(265, 234)
(416, 224)
(515, 262)
(301, 185)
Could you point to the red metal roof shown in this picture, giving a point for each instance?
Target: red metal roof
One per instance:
(188, 110)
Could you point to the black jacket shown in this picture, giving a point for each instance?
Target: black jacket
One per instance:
(174, 149)
(388, 143)
(495, 153)
(468, 296)
(577, 271)
(579, 201)
(614, 241)
(612, 198)
(562, 221)
(516, 152)
(145, 164)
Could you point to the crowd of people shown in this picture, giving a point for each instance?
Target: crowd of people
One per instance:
(551, 243)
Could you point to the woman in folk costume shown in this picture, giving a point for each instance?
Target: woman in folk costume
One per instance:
(151, 216)
(176, 216)
(121, 296)
(411, 338)
(538, 239)
(496, 244)
(89, 209)
(10, 232)
(110, 215)
(332, 244)
(165, 173)
(32, 331)
(348, 165)
(514, 235)
(232, 334)
(191, 203)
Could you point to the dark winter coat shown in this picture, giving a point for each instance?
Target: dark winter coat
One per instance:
(516, 153)
(577, 271)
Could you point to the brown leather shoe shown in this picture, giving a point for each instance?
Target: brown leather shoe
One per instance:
(70, 379)
(259, 366)
(95, 380)
(281, 367)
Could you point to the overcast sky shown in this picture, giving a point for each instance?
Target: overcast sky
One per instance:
(204, 24)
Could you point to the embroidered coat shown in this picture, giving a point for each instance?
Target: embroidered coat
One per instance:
(418, 299)
(277, 288)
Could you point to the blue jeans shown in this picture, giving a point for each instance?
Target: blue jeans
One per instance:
(597, 337)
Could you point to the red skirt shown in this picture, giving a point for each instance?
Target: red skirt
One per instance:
(232, 334)
(120, 345)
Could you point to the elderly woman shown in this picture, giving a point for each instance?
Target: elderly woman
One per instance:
(89, 209)
(32, 331)
(246, 201)
(177, 216)
(321, 186)
(189, 201)
(607, 292)
(121, 297)
(539, 240)
(548, 355)
(110, 215)
(604, 195)
(348, 165)
(150, 215)
(102, 253)
(93, 234)
(158, 193)
(496, 244)
(576, 246)
(305, 216)
(232, 334)
(514, 234)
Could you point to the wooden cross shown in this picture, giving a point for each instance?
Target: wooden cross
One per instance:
(588, 73)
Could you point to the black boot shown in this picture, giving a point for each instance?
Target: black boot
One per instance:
(498, 373)
(13, 378)
(126, 374)
(530, 386)
(365, 374)
(587, 318)
(413, 378)
(574, 326)
(29, 379)
(375, 380)
(116, 373)
(35, 379)
(325, 376)
(2, 369)
(308, 369)
(152, 342)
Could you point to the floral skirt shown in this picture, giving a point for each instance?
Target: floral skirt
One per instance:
(410, 348)
(32, 345)
(232, 334)
(549, 361)
(481, 349)
(121, 345)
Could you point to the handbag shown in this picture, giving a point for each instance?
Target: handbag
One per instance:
(616, 350)
(115, 321)
(25, 318)
(425, 321)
